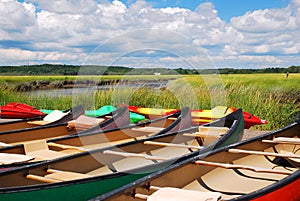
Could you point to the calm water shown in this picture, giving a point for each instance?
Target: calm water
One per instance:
(91, 89)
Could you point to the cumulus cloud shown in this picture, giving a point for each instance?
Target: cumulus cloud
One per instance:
(66, 6)
(68, 30)
(15, 16)
(262, 21)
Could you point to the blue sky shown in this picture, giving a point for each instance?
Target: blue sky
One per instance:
(142, 33)
(226, 8)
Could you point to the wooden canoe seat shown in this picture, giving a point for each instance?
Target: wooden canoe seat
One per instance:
(40, 150)
(66, 176)
(127, 154)
(52, 117)
(100, 171)
(218, 130)
(130, 163)
(7, 158)
(148, 129)
(170, 152)
(84, 122)
(177, 194)
(132, 160)
(208, 132)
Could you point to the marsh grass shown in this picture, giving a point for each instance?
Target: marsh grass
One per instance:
(274, 98)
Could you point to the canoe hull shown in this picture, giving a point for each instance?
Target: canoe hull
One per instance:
(134, 117)
(76, 191)
(19, 111)
(200, 116)
(289, 192)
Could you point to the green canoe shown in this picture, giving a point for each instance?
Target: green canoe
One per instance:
(134, 117)
(101, 170)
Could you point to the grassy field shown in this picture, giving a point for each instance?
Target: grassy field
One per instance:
(269, 96)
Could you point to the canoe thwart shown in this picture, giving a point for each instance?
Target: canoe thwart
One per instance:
(126, 154)
(283, 140)
(172, 145)
(141, 196)
(203, 135)
(245, 167)
(242, 151)
(40, 178)
(149, 129)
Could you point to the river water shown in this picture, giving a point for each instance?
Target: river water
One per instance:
(91, 89)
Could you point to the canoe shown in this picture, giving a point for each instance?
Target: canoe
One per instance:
(120, 118)
(65, 116)
(83, 176)
(134, 117)
(15, 110)
(262, 168)
(200, 116)
(110, 132)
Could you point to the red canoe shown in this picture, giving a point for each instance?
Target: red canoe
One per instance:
(19, 111)
(199, 116)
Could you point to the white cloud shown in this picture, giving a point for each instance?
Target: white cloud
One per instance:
(15, 16)
(67, 6)
(68, 30)
(112, 9)
(262, 21)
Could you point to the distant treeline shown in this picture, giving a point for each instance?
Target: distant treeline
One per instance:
(57, 69)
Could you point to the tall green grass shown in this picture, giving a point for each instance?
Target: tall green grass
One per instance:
(274, 98)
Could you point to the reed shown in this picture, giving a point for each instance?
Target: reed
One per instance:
(275, 98)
